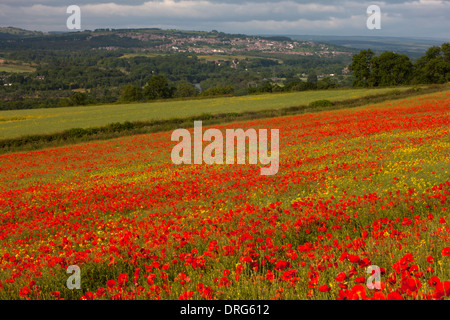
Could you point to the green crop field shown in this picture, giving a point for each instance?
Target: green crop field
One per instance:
(16, 123)
(16, 68)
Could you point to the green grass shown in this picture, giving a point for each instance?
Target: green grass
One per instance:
(16, 68)
(148, 55)
(41, 121)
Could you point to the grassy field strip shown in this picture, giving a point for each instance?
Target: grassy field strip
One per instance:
(39, 121)
(16, 68)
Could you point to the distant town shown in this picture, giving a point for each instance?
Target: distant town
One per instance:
(207, 44)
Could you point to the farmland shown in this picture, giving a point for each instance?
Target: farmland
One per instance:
(15, 67)
(356, 187)
(17, 123)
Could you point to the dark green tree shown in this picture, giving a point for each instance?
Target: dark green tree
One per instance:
(361, 67)
(434, 66)
(186, 89)
(267, 87)
(326, 83)
(312, 78)
(311, 81)
(131, 93)
(445, 48)
(79, 99)
(390, 69)
(158, 88)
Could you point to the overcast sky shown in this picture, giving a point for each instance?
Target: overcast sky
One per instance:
(407, 18)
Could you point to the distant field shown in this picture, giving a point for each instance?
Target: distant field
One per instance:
(16, 68)
(17, 123)
(225, 57)
(206, 57)
(148, 55)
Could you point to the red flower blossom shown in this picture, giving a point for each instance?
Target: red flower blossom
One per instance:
(358, 292)
(186, 295)
(123, 279)
(360, 280)
(324, 288)
(442, 289)
(199, 287)
(378, 296)
(411, 284)
(434, 281)
(280, 265)
(110, 284)
(353, 258)
(24, 292)
(341, 277)
(394, 296)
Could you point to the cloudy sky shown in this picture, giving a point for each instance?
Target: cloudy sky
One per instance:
(418, 18)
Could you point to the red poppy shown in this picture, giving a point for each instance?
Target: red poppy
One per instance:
(360, 280)
(270, 275)
(412, 284)
(394, 296)
(358, 292)
(434, 281)
(88, 296)
(342, 285)
(24, 292)
(341, 277)
(110, 284)
(324, 288)
(446, 252)
(392, 278)
(100, 292)
(123, 279)
(186, 295)
(378, 296)
(199, 287)
(443, 289)
(280, 265)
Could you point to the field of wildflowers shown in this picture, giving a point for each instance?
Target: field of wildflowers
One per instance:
(355, 188)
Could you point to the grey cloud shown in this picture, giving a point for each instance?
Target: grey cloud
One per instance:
(400, 17)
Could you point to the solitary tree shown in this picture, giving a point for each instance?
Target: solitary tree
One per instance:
(158, 88)
(361, 67)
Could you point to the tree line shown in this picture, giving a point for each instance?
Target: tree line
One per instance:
(392, 69)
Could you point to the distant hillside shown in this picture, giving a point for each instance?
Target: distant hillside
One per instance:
(158, 40)
(413, 47)
(14, 33)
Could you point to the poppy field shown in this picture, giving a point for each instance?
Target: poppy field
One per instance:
(360, 187)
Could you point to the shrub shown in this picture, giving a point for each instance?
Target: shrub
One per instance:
(321, 103)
